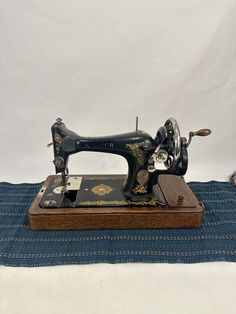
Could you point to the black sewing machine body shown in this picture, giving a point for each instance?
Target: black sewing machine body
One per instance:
(139, 149)
(149, 196)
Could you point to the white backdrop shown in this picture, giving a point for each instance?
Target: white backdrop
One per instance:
(98, 64)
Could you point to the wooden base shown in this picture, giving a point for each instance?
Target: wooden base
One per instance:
(182, 210)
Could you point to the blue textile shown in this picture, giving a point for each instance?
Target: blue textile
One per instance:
(215, 241)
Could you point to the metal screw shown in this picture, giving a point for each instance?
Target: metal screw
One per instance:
(59, 120)
(49, 202)
(151, 168)
(180, 199)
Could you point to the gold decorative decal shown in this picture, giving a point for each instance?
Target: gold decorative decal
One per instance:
(102, 189)
(137, 152)
(142, 176)
(103, 177)
(139, 189)
(152, 202)
(57, 138)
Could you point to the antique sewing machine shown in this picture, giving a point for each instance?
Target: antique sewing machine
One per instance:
(147, 197)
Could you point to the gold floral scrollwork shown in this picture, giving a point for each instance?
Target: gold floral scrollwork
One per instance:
(139, 189)
(102, 189)
(137, 152)
(152, 202)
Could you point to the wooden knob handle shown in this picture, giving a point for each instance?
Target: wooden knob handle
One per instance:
(202, 132)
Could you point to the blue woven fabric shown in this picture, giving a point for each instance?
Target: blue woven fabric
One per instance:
(215, 241)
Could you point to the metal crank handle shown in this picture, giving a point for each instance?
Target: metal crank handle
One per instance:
(202, 132)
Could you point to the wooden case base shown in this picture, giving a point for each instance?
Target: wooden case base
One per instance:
(185, 213)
